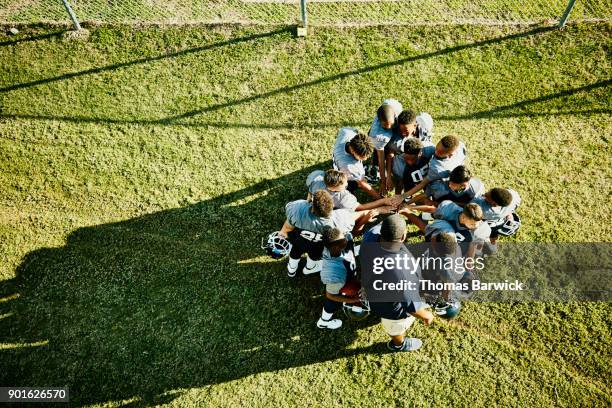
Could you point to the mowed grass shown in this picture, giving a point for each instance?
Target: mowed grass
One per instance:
(141, 168)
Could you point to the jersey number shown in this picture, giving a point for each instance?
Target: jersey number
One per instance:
(311, 236)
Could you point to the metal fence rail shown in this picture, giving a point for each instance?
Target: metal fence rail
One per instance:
(318, 12)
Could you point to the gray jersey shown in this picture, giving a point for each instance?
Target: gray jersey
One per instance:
(438, 227)
(380, 136)
(335, 270)
(342, 160)
(496, 215)
(342, 199)
(449, 212)
(300, 216)
(424, 133)
(440, 191)
(441, 168)
(417, 171)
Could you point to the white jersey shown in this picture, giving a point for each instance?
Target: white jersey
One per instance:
(343, 161)
(380, 136)
(342, 199)
(497, 215)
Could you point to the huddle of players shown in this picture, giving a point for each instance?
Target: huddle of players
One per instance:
(427, 179)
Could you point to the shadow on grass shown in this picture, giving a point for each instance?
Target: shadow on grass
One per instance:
(31, 38)
(175, 299)
(140, 61)
(505, 111)
(516, 109)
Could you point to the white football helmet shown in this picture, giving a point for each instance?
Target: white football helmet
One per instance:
(276, 245)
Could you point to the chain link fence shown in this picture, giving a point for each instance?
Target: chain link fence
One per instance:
(319, 12)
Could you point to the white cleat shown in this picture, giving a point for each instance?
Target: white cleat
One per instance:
(292, 269)
(331, 324)
(315, 267)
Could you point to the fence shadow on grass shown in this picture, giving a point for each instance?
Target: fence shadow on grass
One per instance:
(175, 299)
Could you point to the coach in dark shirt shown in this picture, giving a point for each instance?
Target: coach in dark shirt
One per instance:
(397, 317)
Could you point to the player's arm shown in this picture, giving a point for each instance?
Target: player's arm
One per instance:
(383, 202)
(423, 208)
(340, 298)
(419, 198)
(417, 188)
(424, 315)
(382, 168)
(362, 218)
(368, 189)
(389, 166)
(287, 228)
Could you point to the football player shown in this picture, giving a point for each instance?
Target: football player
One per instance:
(397, 317)
(339, 266)
(381, 132)
(460, 188)
(499, 209)
(410, 167)
(450, 152)
(350, 150)
(466, 223)
(305, 222)
(335, 183)
(408, 125)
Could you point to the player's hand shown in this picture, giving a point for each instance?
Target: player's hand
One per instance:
(428, 320)
(395, 200)
(372, 214)
(387, 209)
(405, 209)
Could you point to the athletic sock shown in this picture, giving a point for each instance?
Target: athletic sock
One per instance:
(310, 263)
(293, 263)
(325, 315)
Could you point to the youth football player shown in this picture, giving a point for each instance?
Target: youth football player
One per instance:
(335, 183)
(409, 124)
(499, 206)
(305, 222)
(339, 266)
(381, 132)
(350, 150)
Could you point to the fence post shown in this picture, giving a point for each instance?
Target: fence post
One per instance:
(303, 29)
(73, 16)
(566, 14)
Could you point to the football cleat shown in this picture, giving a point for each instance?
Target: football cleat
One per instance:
(276, 245)
(292, 269)
(331, 324)
(409, 344)
(312, 266)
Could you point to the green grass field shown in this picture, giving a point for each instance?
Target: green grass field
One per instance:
(141, 168)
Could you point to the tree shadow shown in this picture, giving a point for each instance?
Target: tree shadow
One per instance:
(175, 299)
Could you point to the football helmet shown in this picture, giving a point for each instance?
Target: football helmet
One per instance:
(372, 175)
(276, 245)
(447, 310)
(359, 310)
(507, 228)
